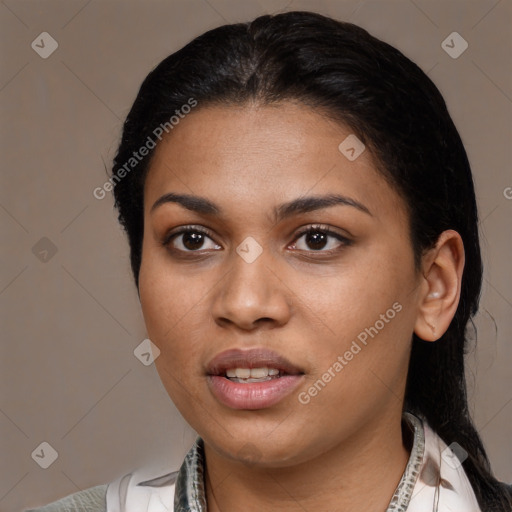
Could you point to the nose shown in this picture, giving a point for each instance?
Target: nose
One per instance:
(251, 295)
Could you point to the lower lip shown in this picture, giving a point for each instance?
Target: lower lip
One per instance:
(253, 395)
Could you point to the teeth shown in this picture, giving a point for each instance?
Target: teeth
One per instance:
(252, 373)
(258, 373)
(243, 373)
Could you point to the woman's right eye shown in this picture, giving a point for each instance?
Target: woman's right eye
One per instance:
(189, 239)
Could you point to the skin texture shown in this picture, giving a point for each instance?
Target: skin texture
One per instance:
(307, 302)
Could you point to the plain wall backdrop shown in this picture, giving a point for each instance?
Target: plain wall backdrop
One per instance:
(70, 313)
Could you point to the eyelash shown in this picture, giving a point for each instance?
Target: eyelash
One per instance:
(316, 228)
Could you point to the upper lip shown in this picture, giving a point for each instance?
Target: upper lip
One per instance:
(250, 358)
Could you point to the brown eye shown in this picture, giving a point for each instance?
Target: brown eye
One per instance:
(317, 238)
(190, 240)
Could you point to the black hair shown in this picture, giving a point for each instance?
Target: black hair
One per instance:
(393, 107)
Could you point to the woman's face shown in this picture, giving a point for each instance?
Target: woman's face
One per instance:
(328, 316)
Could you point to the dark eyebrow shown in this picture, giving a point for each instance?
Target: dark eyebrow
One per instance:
(194, 203)
(301, 205)
(311, 203)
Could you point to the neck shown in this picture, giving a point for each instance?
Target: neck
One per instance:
(361, 473)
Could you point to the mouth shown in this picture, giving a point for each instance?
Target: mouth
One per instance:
(251, 379)
(248, 375)
(247, 365)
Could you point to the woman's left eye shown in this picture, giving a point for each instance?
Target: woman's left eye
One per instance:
(320, 239)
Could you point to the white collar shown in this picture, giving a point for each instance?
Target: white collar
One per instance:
(147, 489)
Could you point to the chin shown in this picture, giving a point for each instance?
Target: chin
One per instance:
(259, 451)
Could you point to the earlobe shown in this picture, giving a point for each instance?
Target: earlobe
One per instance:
(441, 284)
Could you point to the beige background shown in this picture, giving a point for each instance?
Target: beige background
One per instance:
(68, 375)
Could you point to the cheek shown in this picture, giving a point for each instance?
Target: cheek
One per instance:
(164, 296)
(364, 314)
(353, 299)
(169, 308)
(176, 312)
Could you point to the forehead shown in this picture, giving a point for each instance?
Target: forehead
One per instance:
(255, 154)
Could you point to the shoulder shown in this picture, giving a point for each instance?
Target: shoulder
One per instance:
(147, 488)
(90, 500)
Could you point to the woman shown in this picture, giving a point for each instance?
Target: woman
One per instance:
(303, 236)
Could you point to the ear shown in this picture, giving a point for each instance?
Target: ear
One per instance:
(442, 268)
